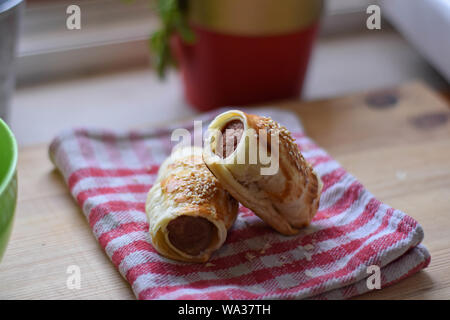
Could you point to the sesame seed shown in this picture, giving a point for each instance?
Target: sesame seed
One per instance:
(286, 140)
(267, 245)
(249, 256)
(194, 180)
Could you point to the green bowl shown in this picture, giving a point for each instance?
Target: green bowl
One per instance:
(8, 184)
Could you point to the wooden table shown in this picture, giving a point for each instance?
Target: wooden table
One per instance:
(396, 141)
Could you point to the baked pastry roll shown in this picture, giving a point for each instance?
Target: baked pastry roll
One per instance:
(283, 191)
(189, 212)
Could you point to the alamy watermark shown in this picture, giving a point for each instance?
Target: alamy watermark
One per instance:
(373, 22)
(374, 280)
(73, 20)
(74, 279)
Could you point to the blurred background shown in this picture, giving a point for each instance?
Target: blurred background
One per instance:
(101, 75)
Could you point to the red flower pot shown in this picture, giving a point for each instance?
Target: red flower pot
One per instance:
(233, 64)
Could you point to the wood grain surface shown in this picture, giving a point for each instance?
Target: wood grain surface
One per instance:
(395, 141)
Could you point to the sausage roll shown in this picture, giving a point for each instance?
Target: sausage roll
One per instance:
(287, 196)
(189, 212)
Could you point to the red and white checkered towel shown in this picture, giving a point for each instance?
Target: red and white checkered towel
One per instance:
(109, 174)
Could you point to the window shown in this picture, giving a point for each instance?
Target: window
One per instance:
(114, 34)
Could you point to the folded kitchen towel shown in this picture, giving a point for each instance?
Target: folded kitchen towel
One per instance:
(109, 174)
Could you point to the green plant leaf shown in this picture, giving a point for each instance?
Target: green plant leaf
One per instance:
(173, 18)
(183, 28)
(161, 51)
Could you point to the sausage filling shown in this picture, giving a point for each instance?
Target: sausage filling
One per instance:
(191, 235)
(228, 141)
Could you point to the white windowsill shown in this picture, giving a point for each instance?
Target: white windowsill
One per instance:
(114, 35)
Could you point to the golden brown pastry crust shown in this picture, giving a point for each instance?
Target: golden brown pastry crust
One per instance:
(185, 186)
(286, 200)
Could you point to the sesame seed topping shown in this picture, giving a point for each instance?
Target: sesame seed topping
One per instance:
(285, 136)
(194, 182)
